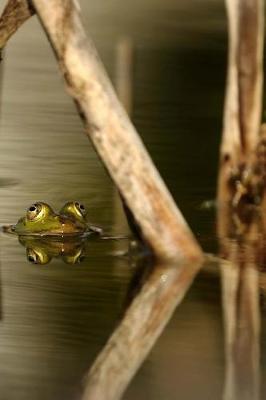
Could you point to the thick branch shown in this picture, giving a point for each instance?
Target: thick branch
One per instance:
(113, 135)
(15, 13)
(242, 114)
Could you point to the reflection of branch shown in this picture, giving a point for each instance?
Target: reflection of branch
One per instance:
(138, 331)
(241, 318)
(241, 240)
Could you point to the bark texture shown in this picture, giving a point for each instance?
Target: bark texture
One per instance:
(243, 102)
(14, 15)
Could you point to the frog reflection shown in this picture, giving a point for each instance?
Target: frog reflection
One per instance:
(41, 220)
(43, 250)
(73, 250)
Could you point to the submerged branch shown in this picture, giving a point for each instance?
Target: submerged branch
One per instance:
(136, 334)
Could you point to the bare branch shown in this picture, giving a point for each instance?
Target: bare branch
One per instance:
(242, 114)
(14, 15)
(243, 101)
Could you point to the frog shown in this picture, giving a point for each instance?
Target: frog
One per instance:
(41, 220)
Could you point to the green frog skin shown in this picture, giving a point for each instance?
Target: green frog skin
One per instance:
(41, 220)
(74, 211)
(77, 213)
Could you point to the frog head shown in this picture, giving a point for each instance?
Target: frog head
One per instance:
(75, 211)
(40, 219)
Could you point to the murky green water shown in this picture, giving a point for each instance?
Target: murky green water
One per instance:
(56, 318)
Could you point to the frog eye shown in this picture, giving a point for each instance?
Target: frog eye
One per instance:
(37, 256)
(33, 258)
(80, 207)
(33, 212)
(74, 258)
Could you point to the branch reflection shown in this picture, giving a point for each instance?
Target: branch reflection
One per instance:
(241, 240)
(137, 332)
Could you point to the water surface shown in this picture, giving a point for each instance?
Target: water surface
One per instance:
(56, 318)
